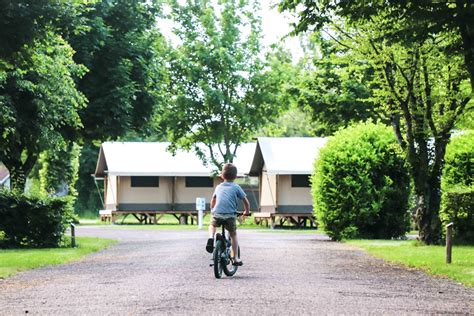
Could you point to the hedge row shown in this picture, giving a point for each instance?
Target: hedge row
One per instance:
(458, 207)
(458, 169)
(31, 221)
(457, 204)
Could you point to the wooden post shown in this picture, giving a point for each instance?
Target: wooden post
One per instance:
(73, 235)
(449, 241)
(173, 193)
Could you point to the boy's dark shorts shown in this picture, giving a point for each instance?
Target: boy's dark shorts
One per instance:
(229, 223)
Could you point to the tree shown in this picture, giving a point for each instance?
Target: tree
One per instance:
(123, 51)
(283, 75)
(424, 86)
(39, 103)
(59, 169)
(334, 88)
(413, 17)
(217, 78)
(23, 21)
(126, 81)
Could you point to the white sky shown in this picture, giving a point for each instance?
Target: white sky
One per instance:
(275, 26)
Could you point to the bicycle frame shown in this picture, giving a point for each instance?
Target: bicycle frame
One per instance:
(222, 260)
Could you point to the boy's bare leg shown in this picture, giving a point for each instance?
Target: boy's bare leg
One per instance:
(212, 231)
(235, 245)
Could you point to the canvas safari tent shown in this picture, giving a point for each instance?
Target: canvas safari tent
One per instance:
(283, 166)
(4, 177)
(145, 180)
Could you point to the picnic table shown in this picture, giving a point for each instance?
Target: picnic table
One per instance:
(275, 219)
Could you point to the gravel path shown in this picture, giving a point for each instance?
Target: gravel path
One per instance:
(167, 272)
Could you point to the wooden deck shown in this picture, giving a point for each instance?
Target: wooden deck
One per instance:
(279, 219)
(153, 217)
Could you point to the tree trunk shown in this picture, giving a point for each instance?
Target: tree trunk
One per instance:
(426, 175)
(427, 213)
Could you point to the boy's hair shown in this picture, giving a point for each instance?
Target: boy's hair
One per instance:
(229, 171)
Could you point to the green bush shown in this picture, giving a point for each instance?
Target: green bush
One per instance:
(458, 207)
(361, 184)
(457, 182)
(459, 162)
(33, 221)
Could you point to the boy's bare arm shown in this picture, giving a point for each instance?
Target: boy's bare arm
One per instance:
(213, 202)
(246, 206)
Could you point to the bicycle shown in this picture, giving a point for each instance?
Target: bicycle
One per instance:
(222, 255)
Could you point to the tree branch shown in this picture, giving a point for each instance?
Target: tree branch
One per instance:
(429, 103)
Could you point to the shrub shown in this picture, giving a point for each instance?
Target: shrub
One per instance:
(459, 162)
(457, 182)
(458, 207)
(33, 221)
(361, 184)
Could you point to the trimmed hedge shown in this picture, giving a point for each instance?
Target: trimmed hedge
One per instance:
(457, 183)
(361, 185)
(458, 207)
(32, 221)
(459, 162)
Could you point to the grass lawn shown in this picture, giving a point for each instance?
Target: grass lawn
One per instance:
(15, 260)
(168, 222)
(429, 258)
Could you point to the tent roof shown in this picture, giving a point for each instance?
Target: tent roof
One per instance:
(286, 155)
(153, 159)
(4, 174)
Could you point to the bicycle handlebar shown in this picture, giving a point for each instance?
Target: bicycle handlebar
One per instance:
(241, 214)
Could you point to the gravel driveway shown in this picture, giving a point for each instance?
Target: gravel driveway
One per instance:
(167, 272)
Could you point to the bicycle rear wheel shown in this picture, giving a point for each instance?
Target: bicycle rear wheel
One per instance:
(217, 257)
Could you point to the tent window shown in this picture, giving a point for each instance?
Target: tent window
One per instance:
(199, 182)
(145, 182)
(300, 181)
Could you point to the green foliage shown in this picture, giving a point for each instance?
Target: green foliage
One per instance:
(404, 20)
(88, 200)
(219, 87)
(31, 221)
(458, 208)
(39, 103)
(59, 170)
(458, 187)
(361, 184)
(24, 21)
(290, 123)
(459, 162)
(334, 87)
(124, 52)
(421, 78)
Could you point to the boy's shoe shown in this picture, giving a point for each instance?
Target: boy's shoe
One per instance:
(238, 263)
(210, 245)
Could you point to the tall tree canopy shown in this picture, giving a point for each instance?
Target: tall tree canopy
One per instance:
(420, 79)
(220, 96)
(413, 17)
(333, 87)
(122, 50)
(23, 21)
(39, 103)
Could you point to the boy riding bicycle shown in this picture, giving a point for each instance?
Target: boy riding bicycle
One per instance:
(224, 209)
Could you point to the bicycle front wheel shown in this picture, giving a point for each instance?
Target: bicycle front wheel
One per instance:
(229, 268)
(217, 257)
